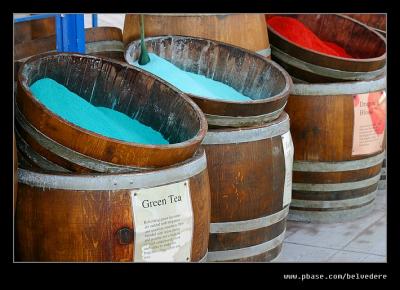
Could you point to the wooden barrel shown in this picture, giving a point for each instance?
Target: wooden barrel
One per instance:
(244, 30)
(65, 217)
(100, 41)
(105, 42)
(367, 46)
(15, 188)
(247, 72)
(107, 83)
(376, 21)
(34, 29)
(31, 38)
(338, 155)
(250, 172)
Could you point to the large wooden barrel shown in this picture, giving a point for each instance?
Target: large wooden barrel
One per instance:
(249, 73)
(34, 29)
(111, 84)
(250, 178)
(376, 21)
(244, 30)
(15, 188)
(100, 41)
(338, 154)
(367, 46)
(81, 218)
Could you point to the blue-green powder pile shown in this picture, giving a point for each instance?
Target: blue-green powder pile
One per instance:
(191, 83)
(101, 120)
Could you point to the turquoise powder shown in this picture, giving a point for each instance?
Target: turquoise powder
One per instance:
(104, 121)
(191, 83)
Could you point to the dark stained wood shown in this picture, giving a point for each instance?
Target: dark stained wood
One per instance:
(33, 29)
(312, 209)
(246, 182)
(336, 177)
(322, 131)
(333, 195)
(368, 46)
(82, 225)
(49, 155)
(110, 82)
(264, 257)
(231, 241)
(375, 20)
(246, 179)
(104, 33)
(247, 72)
(33, 47)
(322, 127)
(46, 41)
(244, 30)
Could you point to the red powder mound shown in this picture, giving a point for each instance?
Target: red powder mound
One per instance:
(296, 31)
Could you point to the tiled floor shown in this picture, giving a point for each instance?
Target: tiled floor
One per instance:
(362, 240)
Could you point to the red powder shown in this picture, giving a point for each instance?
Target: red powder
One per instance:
(296, 31)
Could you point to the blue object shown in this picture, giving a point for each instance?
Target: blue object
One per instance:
(73, 33)
(94, 20)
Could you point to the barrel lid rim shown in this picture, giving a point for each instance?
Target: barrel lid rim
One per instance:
(203, 127)
(332, 57)
(283, 93)
(199, 155)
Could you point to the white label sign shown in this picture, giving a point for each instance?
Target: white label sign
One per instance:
(163, 218)
(369, 122)
(288, 150)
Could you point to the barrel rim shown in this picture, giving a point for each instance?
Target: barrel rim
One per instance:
(277, 127)
(339, 88)
(328, 56)
(115, 181)
(284, 92)
(22, 81)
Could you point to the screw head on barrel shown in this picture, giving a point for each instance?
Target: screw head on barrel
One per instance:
(124, 236)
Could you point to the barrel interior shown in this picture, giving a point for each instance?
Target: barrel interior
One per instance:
(356, 39)
(246, 72)
(122, 88)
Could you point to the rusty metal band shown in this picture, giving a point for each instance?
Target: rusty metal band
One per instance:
(69, 154)
(231, 121)
(333, 203)
(115, 181)
(247, 135)
(248, 225)
(329, 89)
(336, 186)
(324, 71)
(105, 45)
(334, 216)
(265, 52)
(36, 158)
(241, 253)
(310, 166)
